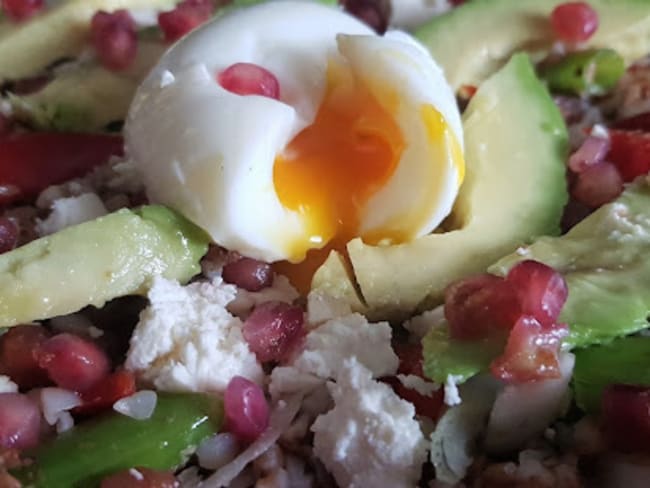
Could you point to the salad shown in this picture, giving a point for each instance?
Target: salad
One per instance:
(307, 244)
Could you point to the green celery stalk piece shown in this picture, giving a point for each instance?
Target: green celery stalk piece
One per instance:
(83, 456)
(623, 361)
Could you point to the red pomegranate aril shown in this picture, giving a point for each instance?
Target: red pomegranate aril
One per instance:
(597, 185)
(542, 290)
(9, 234)
(20, 421)
(19, 10)
(630, 153)
(625, 417)
(273, 329)
(247, 273)
(374, 13)
(115, 39)
(19, 351)
(531, 353)
(592, 151)
(185, 17)
(140, 478)
(73, 363)
(104, 394)
(249, 79)
(481, 306)
(574, 21)
(246, 409)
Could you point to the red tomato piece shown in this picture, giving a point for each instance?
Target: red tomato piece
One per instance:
(115, 39)
(19, 10)
(478, 306)
(630, 153)
(625, 417)
(531, 352)
(30, 162)
(249, 79)
(140, 478)
(19, 349)
(104, 394)
(574, 21)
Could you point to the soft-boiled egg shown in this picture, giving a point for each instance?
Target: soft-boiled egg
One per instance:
(364, 138)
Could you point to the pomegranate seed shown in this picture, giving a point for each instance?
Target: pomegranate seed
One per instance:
(592, 151)
(273, 329)
(374, 13)
(104, 394)
(574, 21)
(186, 16)
(246, 409)
(597, 185)
(531, 353)
(249, 79)
(20, 421)
(477, 306)
(630, 152)
(73, 363)
(19, 10)
(542, 290)
(140, 478)
(19, 349)
(247, 273)
(115, 39)
(9, 234)
(626, 417)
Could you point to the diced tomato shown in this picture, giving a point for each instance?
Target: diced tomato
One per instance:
(104, 394)
(531, 352)
(140, 478)
(574, 21)
(480, 306)
(467, 91)
(115, 39)
(19, 349)
(625, 417)
(19, 10)
(630, 152)
(542, 290)
(30, 162)
(187, 15)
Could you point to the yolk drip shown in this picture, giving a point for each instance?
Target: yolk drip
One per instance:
(333, 167)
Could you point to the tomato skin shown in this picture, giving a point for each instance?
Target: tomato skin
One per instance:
(630, 152)
(625, 417)
(30, 162)
(104, 394)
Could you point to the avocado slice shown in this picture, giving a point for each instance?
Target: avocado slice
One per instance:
(93, 262)
(474, 40)
(624, 361)
(514, 190)
(61, 32)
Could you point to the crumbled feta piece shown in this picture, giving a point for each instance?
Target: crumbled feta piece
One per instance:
(322, 306)
(420, 325)
(328, 346)
(6, 385)
(418, 384)
(71, 211)
(370, 437)
(186, 340)
(452, 396)
(281, 290)
(600, 131)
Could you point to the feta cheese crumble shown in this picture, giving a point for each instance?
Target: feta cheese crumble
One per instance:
(71, 211)
(452, 396)
(370, 437)
(186, 340)
(6, 385)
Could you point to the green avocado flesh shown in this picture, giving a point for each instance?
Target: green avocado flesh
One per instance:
(624, 361)
(514, 190)
(473, 41)
(604, 260)
(91, 263)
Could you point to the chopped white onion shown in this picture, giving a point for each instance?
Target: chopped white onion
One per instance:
(217, 451)
(281, 417)
(139, 406)
(64, 423)
(57, 400)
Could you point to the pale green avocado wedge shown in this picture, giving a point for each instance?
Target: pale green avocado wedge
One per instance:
(93, 262)
(514, 191)
(624, 361)
(474, 40)
(604, 260)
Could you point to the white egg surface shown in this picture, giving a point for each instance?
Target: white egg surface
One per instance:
(361, 136)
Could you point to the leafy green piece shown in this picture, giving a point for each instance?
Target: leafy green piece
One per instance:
(625, 360)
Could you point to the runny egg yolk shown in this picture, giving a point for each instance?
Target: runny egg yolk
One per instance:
(330, 170)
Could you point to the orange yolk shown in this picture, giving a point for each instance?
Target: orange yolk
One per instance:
(332, 168)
